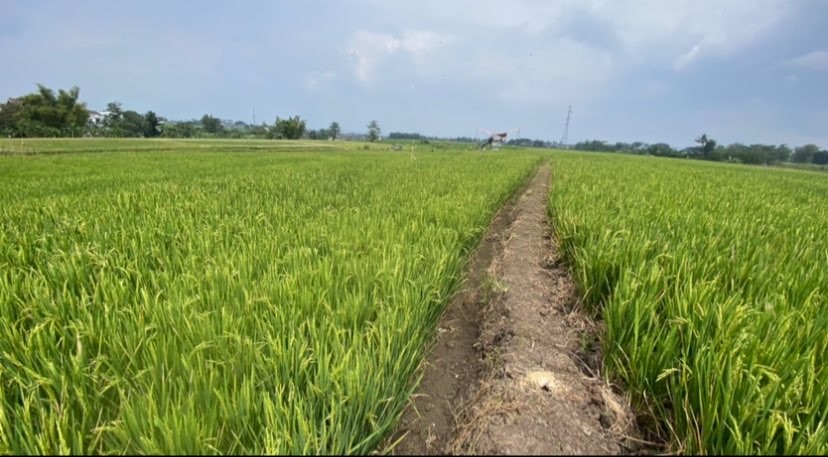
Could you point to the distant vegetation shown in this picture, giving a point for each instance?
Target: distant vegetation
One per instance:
(45, 113)
(757, 154)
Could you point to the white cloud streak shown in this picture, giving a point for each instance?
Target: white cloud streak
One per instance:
(817, 60)
(368, 49)
(686, 58)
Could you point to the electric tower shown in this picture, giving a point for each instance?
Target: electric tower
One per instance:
(566, 127)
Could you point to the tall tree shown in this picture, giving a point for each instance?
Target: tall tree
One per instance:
(114, 109)
(113, 119)
(373, 131)
(292, 128)
(9, 118)
(43, 113)
(133, 124)
(820, 157)
(783, 153)
(151, 124)
(73, 112)
(333, 130)
(805, 154)
(708, 145)
(210, 124)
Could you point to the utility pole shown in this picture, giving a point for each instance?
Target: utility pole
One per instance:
(566, 127)
(254, 117)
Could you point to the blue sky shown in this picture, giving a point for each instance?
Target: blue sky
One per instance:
(750, 71)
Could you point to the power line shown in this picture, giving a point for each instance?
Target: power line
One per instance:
(566, 127)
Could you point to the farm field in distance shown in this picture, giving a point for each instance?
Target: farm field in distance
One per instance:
(712, 281)
(208, 301)
(257, 296)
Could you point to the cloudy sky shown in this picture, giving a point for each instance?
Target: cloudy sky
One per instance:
(750, 71)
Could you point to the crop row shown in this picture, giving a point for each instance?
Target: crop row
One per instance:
(712, 281)
(202, 302)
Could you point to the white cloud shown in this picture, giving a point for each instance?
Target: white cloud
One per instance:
(420, 42)
(368, 49)
(722, 25)
(562, 71)
(532, 16)
(644, 29)
(568, 60)
(686, 58)
(817, 60)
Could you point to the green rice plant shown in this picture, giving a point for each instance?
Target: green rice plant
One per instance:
(210, 302)
(712, 281)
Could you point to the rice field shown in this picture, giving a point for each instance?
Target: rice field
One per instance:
(712, 281)
(226, 299)
(252, 297)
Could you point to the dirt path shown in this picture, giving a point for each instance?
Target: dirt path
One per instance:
(506, 374)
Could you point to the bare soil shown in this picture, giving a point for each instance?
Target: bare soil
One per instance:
(513, 369)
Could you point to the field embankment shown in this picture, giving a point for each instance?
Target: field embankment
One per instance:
(536, 396)
(712, 282)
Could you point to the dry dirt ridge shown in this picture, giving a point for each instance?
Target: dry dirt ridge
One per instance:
(512, 369)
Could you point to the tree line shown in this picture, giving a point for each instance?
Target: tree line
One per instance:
(708, 149)
(46, 113)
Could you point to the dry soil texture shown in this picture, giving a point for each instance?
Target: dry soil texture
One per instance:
(512, 369)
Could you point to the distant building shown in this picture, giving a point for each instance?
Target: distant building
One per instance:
(95, 117)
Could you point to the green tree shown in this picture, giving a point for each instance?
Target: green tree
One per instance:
(707, 145)
(719, 154)
(334, 130)
(133, 124)
(592, 145)
(805, 154)
(260, 131)
(9, 118)
(320, 134)
(178, 130)
(820, 157)
(113, 119)
(782, 153)
(44, 113)
(373, 131)
(151, 125)
(292, 128)
(638, 147)
(40, 111)
(211, 124)
(758, 154)
(73, 113)
(114, 111)
(661, 149)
